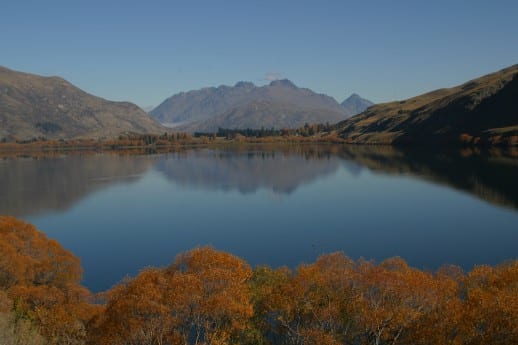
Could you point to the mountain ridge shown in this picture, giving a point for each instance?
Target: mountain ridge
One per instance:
(282, 104)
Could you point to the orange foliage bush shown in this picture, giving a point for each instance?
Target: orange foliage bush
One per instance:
(202, 298)
(492, 305)
(41, 280)
(30, 258)
(340, 301)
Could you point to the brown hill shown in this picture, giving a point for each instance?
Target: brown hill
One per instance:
(483, 110)
(35, 106)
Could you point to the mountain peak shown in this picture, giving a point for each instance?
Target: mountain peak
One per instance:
(283, 82)
(353, 96)
(354, 104)
(244, 84)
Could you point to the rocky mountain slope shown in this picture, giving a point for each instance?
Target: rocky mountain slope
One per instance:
(33, 106)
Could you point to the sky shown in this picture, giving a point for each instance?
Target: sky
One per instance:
(146, 51)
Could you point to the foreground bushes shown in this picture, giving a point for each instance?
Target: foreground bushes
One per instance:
(211, 297)
(39, 280)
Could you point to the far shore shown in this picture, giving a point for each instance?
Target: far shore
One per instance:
(151, 144)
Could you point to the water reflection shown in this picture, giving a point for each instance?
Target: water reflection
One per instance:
(281, 172)
(34, 185)
(487, 174)
(41, 184)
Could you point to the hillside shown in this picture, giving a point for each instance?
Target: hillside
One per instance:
(33, 106)
(244, 105)
(483, 110)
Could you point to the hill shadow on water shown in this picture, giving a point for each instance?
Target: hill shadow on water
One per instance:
(487, 174)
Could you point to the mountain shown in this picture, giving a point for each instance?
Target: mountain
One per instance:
(483, 110)
(245, 105)
(202, 104)
(259, 114)
(354, 104)
(34, 106)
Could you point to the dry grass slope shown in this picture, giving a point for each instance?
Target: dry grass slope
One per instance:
(481, 110)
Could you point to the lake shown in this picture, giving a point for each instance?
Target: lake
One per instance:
(281, 205)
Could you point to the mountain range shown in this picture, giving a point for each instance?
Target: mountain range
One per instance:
(280, 104)
(33, 106)
(483, 110)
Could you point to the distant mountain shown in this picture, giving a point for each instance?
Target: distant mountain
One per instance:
(354, 104)
(202, 104)
(483, 110)
(244, 105)
(259, 114)
(35, 106)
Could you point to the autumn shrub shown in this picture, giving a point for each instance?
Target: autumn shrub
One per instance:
(20, 332)
(202, 298)
(310, 306)
(492, 305)
(340, 301)
(41, 280)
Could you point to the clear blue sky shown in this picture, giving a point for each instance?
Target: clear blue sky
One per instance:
(145, 51)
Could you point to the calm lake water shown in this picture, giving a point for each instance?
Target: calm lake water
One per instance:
(276, 206)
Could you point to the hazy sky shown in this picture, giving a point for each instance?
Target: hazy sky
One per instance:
(145, 51)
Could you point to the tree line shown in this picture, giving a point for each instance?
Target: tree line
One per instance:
(206, 296)
(307, 130)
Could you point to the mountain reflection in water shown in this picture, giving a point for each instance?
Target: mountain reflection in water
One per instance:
(280, 172)
(54, 183)
(35, 185)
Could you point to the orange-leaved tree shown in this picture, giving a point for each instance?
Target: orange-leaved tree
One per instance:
(202, 298)
(491, 299)
(42, 281)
